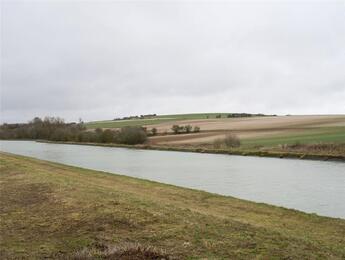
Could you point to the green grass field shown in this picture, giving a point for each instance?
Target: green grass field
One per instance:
(311, 135)
(49, 210)
(123, 123)
(156, 120)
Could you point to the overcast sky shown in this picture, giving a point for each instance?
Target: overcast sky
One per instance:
(100, 60)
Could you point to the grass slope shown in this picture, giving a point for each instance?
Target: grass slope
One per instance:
(52, 210)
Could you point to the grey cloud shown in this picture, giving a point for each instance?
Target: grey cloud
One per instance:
(101, 60)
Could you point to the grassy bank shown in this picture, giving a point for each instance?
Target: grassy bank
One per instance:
(53, 210)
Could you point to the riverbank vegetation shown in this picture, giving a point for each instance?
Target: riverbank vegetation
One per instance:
(50, 210)
(55, 129)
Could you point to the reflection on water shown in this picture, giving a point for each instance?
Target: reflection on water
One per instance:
(311, 186)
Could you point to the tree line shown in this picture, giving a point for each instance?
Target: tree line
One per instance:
(55, 129)
(236, 115)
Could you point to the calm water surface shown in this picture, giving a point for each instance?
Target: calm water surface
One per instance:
(310, 186)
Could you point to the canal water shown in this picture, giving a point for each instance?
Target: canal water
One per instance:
(310, 186)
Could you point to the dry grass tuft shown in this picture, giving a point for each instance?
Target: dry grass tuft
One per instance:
(132, 251)
(324, 148)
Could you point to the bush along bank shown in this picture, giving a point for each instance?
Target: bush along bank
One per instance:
(55, 129)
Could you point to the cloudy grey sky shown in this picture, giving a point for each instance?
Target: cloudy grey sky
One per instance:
(100, 60)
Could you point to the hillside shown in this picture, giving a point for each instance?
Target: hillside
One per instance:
(254, 132)
(151, 120)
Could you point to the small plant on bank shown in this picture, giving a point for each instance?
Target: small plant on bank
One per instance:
(176, 129)
(187, 128)
(196, 129)
(217, 143)
(154, 131)
(229, 141)
(232, 141)
(132, 135)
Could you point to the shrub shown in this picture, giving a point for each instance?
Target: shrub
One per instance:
(98, 135)
(108, 136)
(132, 135)
(196, 129)
(176, 129)
(59, 135)
(230, 141)
(217, 144)
(188, 128)
(154, 131)
(87, 136)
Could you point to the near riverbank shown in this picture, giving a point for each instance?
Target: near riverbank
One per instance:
(53, 210)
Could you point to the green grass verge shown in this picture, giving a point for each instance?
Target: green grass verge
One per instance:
(49, 210)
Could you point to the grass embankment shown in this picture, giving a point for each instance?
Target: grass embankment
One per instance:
(52, 210)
